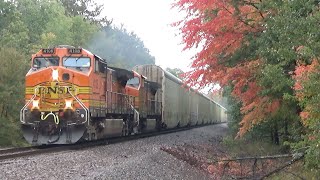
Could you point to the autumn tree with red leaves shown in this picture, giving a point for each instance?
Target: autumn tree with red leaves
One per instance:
(253, 47)
(222, 28)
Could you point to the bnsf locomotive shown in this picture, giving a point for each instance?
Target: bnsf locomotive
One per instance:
(73, 95)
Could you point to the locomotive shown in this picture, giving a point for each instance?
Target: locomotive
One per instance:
(72, 95)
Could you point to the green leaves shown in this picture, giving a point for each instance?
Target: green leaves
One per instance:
(88, 9)
(176, 72)
(294, 24)
(13, 68)
(30, 25)
(275, 81)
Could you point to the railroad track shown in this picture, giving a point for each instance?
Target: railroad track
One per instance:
(28, 151)
(36, 150)
(115, 140)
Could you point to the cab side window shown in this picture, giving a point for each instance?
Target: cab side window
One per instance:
(134, 82)
(99, 67)
(96, 65)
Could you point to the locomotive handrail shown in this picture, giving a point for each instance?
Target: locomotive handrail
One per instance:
(117, 93)
(22, 115)
(126, 97)
(136, 114)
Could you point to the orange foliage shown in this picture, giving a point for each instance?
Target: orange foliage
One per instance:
(254, 107)
(302, 75)
(220, 27)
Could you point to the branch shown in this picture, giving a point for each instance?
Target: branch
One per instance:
(261, 157)
(297, 157)
(255, 6)
(225, 8)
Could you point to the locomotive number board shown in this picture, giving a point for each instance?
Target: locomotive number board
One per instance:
(74, 51)
(48, 51)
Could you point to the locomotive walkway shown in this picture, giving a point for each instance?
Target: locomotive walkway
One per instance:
(136, 159)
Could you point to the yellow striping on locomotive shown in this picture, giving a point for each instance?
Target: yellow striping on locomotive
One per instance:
(55, 91)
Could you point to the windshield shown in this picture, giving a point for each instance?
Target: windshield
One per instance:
(81, 62)
(41, 62)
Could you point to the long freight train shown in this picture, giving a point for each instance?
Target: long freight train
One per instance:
(73, 95)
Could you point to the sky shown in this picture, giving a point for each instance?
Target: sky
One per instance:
(150, 20)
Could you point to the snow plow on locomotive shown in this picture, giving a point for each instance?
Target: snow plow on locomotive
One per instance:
(73, 95)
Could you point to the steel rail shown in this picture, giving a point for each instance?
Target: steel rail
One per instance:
(12, 153)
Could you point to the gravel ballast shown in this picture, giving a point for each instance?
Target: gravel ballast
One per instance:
(136, 159)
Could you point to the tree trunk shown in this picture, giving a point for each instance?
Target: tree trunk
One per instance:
(276, 139)
(286, 131)
(2, 110)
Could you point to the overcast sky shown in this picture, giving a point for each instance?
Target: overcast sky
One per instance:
(150, 20)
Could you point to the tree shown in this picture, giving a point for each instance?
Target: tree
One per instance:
(121, 48)
(13, 31)
(307, 92)
(12, 73)
(176, 72)
(30, 25)
(223, 28)
(88, 9)
(7, 13)
(254, 47)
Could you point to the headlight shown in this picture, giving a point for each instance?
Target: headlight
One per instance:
(55, 75)
(68, 104)
(35, 104)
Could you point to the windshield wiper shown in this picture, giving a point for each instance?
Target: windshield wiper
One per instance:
(45, 58)
(67, 59)
(79, 57)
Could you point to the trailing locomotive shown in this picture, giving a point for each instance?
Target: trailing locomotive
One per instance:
(73, 95)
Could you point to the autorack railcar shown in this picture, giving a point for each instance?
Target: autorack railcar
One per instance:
(182, 106)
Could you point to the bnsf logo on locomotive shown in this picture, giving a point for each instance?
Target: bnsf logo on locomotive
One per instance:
(55, 90)
(52, 90)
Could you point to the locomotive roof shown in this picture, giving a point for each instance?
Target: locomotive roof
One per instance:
(122, 72)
